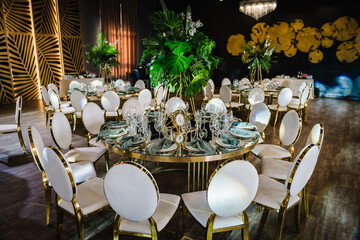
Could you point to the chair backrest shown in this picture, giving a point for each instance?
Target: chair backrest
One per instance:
(53, 87)
(301, 88)
(140, 84)
(131, 191)
(110, 101)
(232, 187)
(145, 97)
(286, 83)
(159, 95)
(78, 100)
(45, 95)
(208, 91)
(212, 85)
(119, 82)
(290, 128)
(301, 169)
(37, 146)
(316, 135)
(54, 100)
(256, 95)
(97, 83)
(260, 116)
(60, 130)
(132, 105)
(304, 95)
(284, 97)
(244, 81)
(18, 110)
(225, 93)
(225, 81)
(92, 117)
(215, 105)
(174, 104)
(74, 84)
(58, 170)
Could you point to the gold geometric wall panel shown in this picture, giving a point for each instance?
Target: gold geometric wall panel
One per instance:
(47, 41)
(21, 48)
(293, 37)
(235, 44)
(71, 37)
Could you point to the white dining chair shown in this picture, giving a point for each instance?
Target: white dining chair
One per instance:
(244, 81)
(281, 197)
(213, 88)
(97, 83)
(145, 97)
(278, 169)
(140, 84)
(298, 104)
(47, 105)
(260, 117)
(80, 200)
(119, 82)
(82, 171)
(256, 95)
(74, 85)
(61, 133)
(58, 106)
(283, 101)
(132, 105)
(158, 99)
(289, 133)
(93, 118)
(15, 128)
(207, 92)
(173, 104)
(226, 96)
(78, 101)
(232, 187)
(52, 86)
(215, 106)
(141, 210)
(110, 101)
(225, 81)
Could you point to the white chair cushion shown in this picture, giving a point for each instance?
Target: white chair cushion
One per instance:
(8, 128)
(67, 110)
(93, 142)
(234, 104)
(271, 193)
(295, 105)
(90, 197)
(65, 104)
(197, 205)
(168, 204)
(82, 171)
(275, 168)
(281, 109)
(78, 114)
(113, 114)
(85, 154)
(270, 151)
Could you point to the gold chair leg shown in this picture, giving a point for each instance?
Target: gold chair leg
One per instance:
(276, 117)
(280, 224)
(306, 200)
(47, 202)
(245, 232)
(80, 227)
(116, 227)
(74, 122)
(21, 139)
(297, 210)
(106, 155)
(184, 214)
(59, 219)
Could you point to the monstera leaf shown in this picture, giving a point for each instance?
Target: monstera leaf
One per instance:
(165, 20)
(178, 47)
(197, 84)
(157, 70)
(177, 63)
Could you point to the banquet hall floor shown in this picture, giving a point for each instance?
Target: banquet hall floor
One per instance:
(334, 186)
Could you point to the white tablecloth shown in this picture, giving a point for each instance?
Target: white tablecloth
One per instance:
(64, 84)
(295, 84)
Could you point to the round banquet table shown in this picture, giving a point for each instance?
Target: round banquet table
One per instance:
(197, 165)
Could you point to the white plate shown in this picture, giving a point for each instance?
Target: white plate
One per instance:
(245, 125)
(191, 149)
(220, 142)
(141, 140)
(242, 133)
(169, 149)
(117, 127)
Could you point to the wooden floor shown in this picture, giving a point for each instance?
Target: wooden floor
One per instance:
(334, 186)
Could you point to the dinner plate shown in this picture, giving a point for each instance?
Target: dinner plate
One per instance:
(191, 149)
(141, 140)
(119, 125)
(245, 125)
(243, 133)
(117, 134)
(220, 142)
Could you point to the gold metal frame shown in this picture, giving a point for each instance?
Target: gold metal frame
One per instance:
(77, 210)
(210, 223)
(283, 208)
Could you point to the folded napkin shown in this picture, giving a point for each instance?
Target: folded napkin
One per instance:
(161, 144)
(113, 124)
(128, 141)
(243, 133)
(204, 147)
(230, 140)
(245, 125)
(110, 133)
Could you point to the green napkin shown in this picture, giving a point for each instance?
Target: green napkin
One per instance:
(112, 123)
(204, 147)
(163, 143)
(109, 133)
(230, 140)
(128, 141)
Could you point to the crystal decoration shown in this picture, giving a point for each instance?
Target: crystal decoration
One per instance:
(257, 8)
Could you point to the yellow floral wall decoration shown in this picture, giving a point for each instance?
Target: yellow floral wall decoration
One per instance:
(295, 36)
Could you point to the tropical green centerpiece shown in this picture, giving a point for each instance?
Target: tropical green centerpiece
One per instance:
(258, 57)
(181, 56)
(103, 55)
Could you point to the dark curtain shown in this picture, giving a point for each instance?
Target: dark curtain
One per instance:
(118, 20)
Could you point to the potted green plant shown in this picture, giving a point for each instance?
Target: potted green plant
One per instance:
(180, 55)
(258, 57)
(103, 55)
